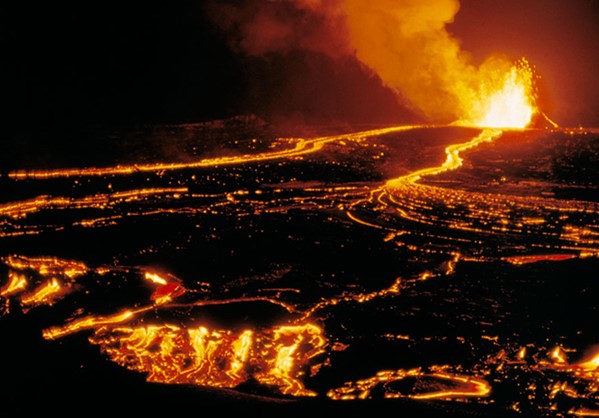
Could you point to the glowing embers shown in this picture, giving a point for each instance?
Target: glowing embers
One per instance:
(584, 387)
(39, 281)
(277, 357)
(436, 383)
(552, 382)
(506, 97)
(24, 208)
(559, 228)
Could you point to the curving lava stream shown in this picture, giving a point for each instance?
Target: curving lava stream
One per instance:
(425, 263)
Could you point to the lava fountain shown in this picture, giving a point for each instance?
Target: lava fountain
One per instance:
(506, 98)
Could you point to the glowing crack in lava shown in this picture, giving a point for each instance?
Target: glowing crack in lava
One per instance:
(449, 265)
(276, 357)
(183, 330)
(283, 324)
(219, 358)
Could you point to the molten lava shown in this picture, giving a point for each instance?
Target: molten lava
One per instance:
(442, 385)
(165, 327)
(506, 97)
(220, 358)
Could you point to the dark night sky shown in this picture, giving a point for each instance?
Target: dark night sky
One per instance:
(114, 63)
(100, 64)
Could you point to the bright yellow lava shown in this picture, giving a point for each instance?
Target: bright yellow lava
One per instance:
(505, 100)
(510, 107)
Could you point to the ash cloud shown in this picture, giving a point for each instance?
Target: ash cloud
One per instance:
(259, 27)
(405, 43)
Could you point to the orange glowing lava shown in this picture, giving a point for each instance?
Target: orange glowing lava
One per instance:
(198, 352)
(222, 358)
(276, 357)
(50, 279)
(298, 147)
(454, 386)
(506, 98)
(591, 365)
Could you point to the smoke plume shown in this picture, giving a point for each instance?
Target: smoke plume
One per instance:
(404, 42)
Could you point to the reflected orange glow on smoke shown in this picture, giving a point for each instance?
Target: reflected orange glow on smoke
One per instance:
(408, 45)
(440, 73)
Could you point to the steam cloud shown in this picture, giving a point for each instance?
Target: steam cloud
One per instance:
(405, 42)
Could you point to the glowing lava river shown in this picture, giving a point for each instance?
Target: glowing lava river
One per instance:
(439, 270)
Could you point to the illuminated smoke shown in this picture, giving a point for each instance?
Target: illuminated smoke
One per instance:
(404, 42)
(258, 27)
